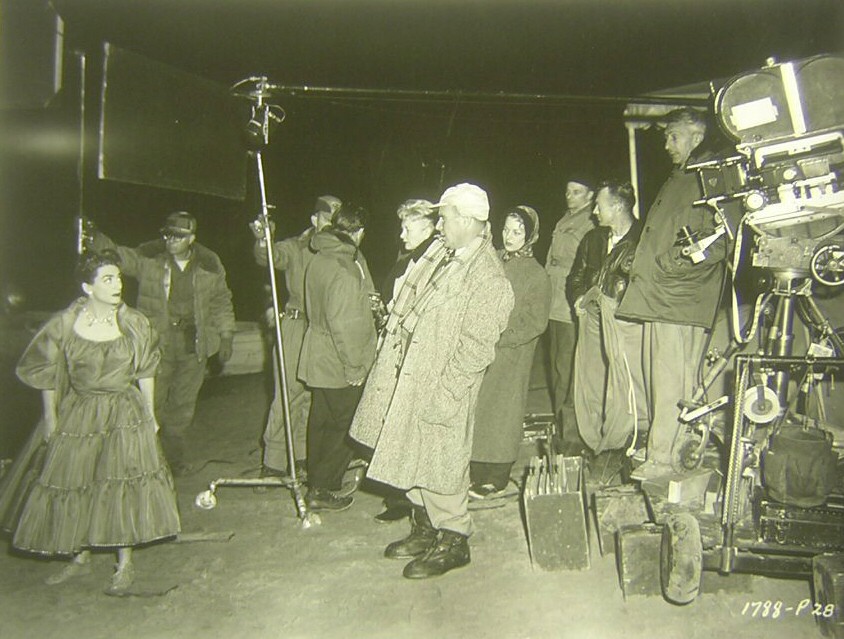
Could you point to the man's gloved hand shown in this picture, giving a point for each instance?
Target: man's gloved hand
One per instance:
(257, 228)
(225, 352)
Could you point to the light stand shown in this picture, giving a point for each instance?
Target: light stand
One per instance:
(258, 130)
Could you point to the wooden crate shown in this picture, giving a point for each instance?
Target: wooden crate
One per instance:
(616, 506)
(555, 514)
(249, 352)
(637, 558)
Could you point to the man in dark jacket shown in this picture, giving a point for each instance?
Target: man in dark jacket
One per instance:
(337, 352)
(182, 289)
(675, 298)
(292, 256)
(608, 369)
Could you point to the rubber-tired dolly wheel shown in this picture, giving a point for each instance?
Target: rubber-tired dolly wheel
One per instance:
(688, 456)
(828, 578)
(681, 558)
(206, 500)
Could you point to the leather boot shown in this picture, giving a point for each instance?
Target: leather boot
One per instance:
(450, 552)
(422, 536)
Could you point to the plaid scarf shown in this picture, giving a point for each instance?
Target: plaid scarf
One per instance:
(426, 277)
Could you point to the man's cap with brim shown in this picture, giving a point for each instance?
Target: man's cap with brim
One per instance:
(180, 223)
(470, 200)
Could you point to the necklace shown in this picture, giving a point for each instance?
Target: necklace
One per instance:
(93, 320)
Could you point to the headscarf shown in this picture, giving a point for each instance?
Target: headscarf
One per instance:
(530, 220)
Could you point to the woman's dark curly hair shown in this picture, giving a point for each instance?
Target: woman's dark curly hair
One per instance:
(91, 261)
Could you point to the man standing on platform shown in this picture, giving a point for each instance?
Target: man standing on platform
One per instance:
(291, 256)
(675, 298)
(417, 411)
(562, 331)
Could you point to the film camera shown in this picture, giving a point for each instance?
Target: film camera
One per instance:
(786, 177)
(780, 502)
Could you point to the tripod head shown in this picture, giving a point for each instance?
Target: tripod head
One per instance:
(264, 115)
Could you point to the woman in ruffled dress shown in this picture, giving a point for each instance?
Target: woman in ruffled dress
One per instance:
(500, 410)
(104, 483)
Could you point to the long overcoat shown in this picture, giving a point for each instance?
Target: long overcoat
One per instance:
(500, 411)
(417, 410)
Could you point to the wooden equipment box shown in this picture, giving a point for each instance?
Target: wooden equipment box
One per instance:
(555, 514)
(249, 351)
(828, 571)
(617, 506)
(637, 557)
(819, 527)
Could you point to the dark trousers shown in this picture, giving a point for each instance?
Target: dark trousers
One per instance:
(562, 339)
(497, 474)
(177, 383)
(332, 410)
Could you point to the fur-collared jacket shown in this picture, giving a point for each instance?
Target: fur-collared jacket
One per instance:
(152, 266)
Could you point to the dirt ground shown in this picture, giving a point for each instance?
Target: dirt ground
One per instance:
(266, 576)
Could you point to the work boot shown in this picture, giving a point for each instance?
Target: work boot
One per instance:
(450, 552)
(422, 536)
(321, 500)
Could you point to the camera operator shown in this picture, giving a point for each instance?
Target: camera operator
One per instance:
(675, 298)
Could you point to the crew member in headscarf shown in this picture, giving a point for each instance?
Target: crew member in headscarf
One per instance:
(499, 414)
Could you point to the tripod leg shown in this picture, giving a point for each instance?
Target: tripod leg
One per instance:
(821, 323)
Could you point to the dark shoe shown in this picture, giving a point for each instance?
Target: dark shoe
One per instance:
(351, 485)
(450, 552)
(393, 513)
(422, 536)
(319, 499)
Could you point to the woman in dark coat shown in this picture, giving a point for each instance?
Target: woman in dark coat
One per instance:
(499, 414)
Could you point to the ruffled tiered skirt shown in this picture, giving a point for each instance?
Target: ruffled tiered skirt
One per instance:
(104, 482)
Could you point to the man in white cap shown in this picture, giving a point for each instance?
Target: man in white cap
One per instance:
(417, 410)
(291, 256)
